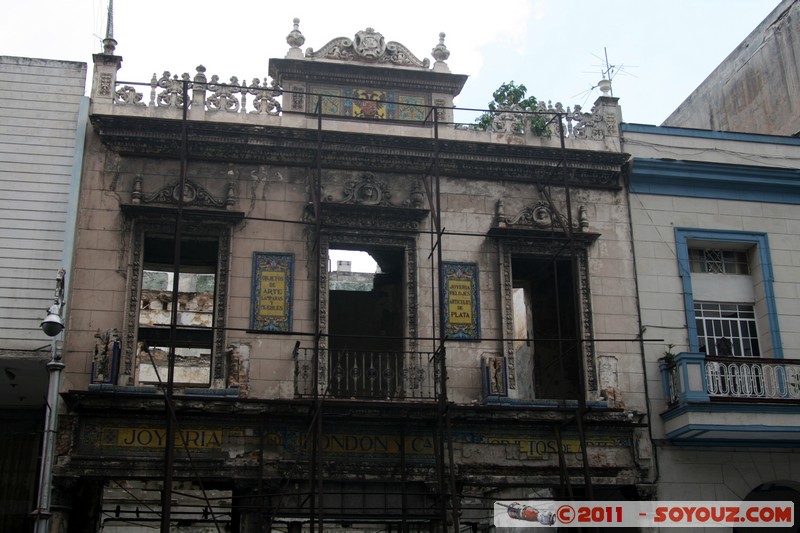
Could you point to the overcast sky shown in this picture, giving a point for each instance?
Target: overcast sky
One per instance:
(665, 48)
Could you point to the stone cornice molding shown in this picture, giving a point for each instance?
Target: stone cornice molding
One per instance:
(139, 136)
(715, 181)
(354, 75)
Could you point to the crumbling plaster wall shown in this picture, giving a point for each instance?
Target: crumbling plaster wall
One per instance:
(469, 207)
(274, 199)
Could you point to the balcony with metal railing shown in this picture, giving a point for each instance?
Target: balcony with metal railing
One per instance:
(367, 375)
(731, 399)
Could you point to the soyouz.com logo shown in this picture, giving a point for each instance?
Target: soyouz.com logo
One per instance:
(549, 513)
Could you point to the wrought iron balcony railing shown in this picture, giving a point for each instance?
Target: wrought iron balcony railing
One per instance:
(695, 377)
(746, 377)
(378, 375)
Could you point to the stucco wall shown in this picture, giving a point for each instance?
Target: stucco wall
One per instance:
(756, 89)
(274, 200)
(40, 103)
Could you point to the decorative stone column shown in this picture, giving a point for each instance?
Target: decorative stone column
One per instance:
(104, 81)
(607, 107)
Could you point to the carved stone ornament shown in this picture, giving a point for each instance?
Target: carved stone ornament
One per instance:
(595, 125)
(105, 84)
(223, 95)
(365, 191)
(368, 46)
(127, 95)
(369, 190)
(540, 215)
(172, 94)
(193, 195)
(440, 52)
(295, 39)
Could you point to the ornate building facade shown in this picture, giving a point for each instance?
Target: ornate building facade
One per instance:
(494, 354)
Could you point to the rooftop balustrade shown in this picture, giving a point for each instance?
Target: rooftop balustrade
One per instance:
(261, 102)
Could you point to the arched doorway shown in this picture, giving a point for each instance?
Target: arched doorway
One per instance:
(773, 491)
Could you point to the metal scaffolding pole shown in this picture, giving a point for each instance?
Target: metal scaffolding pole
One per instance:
(587, 478)
(316, 481)
(169, 446)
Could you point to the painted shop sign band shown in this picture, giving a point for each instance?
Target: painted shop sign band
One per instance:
(272, 292)
(376, 444)
(342, 446)
(155, 438)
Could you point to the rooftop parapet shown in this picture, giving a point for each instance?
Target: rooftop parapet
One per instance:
(349, 82)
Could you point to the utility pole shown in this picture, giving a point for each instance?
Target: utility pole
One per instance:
(52, 326)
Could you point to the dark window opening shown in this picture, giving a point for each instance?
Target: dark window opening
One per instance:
(545, 325)
(366, 328)
(195, 318)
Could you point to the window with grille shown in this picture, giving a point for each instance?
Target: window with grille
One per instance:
(728, 288)
(716, 261)
(726, 329)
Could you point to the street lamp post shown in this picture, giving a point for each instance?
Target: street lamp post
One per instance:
(52, 326)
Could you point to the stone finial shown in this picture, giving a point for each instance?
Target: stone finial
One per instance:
(136, 194)
(605, 87)
(295, 40)
(440, 53)
(200, 76)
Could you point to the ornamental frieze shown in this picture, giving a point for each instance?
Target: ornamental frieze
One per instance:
(368, 46)
(540, 215)
(368, 190)
(193, 195)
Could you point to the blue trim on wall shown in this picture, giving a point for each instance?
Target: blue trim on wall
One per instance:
(708, 134)
(676, 436)
(760, 240)
(717, 408)
(715, 180)
(704, 428)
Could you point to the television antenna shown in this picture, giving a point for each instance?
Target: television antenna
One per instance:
(608, 71)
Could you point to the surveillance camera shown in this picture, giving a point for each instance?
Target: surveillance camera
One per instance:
(53, 324)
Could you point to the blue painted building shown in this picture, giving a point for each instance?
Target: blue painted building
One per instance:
(715, 223)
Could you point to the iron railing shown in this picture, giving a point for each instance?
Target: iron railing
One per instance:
(378, 375)
(699, 378)
(671, 383)
(751, 377)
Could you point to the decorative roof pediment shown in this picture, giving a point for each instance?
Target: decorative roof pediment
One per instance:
(538, 220)
(365, 201)
(368, 46)
(198, 202)
(194, 195)
(368, 190)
